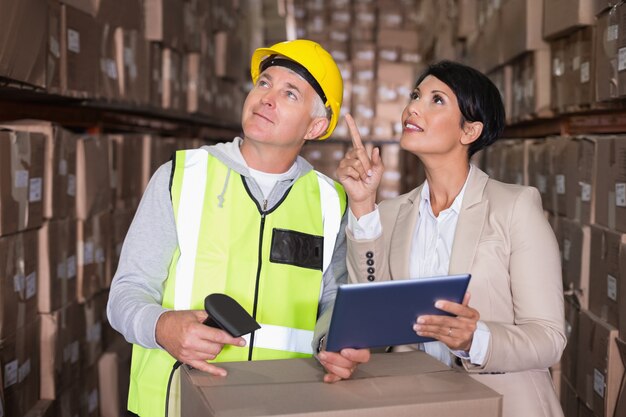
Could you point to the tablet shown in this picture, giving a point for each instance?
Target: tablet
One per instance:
(377, 314)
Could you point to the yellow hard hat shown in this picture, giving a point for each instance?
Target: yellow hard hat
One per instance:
(316, 66)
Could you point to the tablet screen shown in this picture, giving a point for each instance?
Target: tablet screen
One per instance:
(378, 314)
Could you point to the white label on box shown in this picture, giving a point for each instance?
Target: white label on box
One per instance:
(560, 184)
(128, 56)
(34, 191)
(584, 72)
(10, 373)
(567, 246)
(611, 287)
(542, 183)
(100, 256)
(576, 63)
(519, 179)
(621, 59)
(94, 333)
(620, 194)
(88, 253)
(388, 55)
(63, 167)
(21, 178)
(612, 32)
(62, 270)
(111, 69)
(71, 267)
(598, 382)
(73, 41)
(19, 283)
(365, 55)
(24, 370)
(585, 191)
(31, 285)
(71, 185)
(93, 400)
(54, 47)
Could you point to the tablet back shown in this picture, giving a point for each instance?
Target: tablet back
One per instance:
(383, 313)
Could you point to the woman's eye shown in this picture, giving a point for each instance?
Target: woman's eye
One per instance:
(437, 99)
(414, 95)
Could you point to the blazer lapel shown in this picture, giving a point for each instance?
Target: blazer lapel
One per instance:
(470, 224)
(402, 236)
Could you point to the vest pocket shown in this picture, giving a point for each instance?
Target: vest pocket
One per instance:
(297, 249)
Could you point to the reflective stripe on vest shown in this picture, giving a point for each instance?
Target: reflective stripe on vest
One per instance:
(221, 233)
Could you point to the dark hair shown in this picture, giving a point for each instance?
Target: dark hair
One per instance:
(479, 99)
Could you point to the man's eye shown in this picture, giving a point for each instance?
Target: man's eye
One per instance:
(291, 95)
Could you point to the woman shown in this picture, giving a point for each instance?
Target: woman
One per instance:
(459, 220)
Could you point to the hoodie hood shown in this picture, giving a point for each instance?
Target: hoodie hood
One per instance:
(230, 155)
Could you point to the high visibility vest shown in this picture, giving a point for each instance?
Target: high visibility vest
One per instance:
(270, 261)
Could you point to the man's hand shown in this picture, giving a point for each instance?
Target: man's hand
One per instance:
(360, 173)
(343, 364)
(182, 335)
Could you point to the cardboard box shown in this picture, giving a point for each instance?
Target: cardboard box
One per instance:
(164, 22)
(531, 85)
(23, 57)
(563, 16)
(59, 179)
(92, 345)
(575, 258)
(521, 20)
(606, 58)
(605, 283)
(114, 379)
(19, 359)
(575, 177)
(569, 359)
(600, 369)
(538, 170)
(21, 181)
(57, 265)
(121, 220)
(324, 157)
(621, 303)
(68, 403)
(579, 67)
(568, 398)
(92, 176)
(560, 82)
(89, 399)
(126, 170)
(18, 282)
(621, 50)
(92, 248)
(61, 334)
(611, 190)
(80, 43)
(295, 388)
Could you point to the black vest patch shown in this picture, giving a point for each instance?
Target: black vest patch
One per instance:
(297, 249)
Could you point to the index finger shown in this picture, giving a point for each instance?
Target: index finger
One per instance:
(354, 132)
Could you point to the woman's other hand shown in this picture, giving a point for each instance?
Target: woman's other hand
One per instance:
(455, 332)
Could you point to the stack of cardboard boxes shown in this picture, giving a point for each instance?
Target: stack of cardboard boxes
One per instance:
(582, 181)
(66, 203)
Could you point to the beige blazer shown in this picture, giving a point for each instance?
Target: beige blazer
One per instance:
(504, 240)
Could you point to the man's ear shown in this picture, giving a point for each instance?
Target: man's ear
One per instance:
(317, 128)
(471, 132)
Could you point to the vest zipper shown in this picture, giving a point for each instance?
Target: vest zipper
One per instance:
(258, 276)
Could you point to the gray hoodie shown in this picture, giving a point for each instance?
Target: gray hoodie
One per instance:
(137, 289)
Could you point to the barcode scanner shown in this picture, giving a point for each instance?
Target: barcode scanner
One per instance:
(227, 314)
(224, 313)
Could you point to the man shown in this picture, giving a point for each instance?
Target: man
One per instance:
(250, 219)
